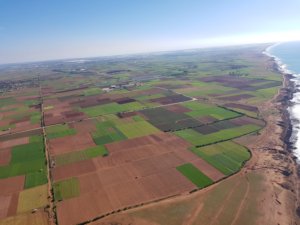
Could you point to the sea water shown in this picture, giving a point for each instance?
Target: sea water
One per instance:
(288, 57)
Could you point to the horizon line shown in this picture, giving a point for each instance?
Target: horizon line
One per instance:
(137, 53)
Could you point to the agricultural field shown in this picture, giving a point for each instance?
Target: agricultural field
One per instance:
(127, 132)
(20, 111)
(23, 173)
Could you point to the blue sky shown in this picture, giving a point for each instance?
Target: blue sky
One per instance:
(35, 30)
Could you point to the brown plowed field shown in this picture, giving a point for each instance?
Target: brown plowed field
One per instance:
(4, 205)
(178, 108)
(11, 185)
(67, 144)
(83, 208)
(84, 126)
(14, 142)
(136, 171)
(72, 170)
(5, 156)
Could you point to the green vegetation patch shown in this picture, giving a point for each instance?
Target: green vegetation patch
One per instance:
(137, 129)
(80, 155)
(36, 178)
(66, 189)
(194, 175)
(92, 91)
(107, 133)
(198, 139)
(228, 157)
(7, 101)
(60, 130)
(35, 119)
(32, 198)
(200, 109)
(26, 160)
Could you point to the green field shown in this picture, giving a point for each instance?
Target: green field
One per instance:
(66, 189)
(228, 157)
(198, 139)
(194, 175)
(107, 132)
(137, 129)
(28, 159)
(80, 155)
(200, 109)
(92, 91)
(60, 130)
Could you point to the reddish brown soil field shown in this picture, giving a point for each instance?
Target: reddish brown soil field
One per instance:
(20, 135)
(83, 208)
(5, 156)
(26, 118)
(11, 185)
(84, 126)
(23, 124)
(9, 192)
(74, 169)
(136, 171)
(13, 204)
(4, 205)
(178, 108)
(206, 119)
(73, 114)
(76, 142)
(14, 142)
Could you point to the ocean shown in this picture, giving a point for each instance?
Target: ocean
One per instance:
(288, 57)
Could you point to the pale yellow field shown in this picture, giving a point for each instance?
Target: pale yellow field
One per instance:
(32, 198)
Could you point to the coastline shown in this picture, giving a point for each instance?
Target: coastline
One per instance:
(284, 98)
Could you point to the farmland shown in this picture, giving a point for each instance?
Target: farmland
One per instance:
(136, 131)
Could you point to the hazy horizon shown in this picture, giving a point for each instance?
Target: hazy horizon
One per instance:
(39, 31)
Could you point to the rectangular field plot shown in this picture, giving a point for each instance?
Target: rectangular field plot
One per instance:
(198, 139)
(137, 129)
(59, 130)
(199, 110)
(228, 157)
(29, 160)
(19, 113)
(167, 120)
(135, 171)
(80, 155)
(194, 175)
(66, 189)
(107, 132)
(32, 198)
(112, 108)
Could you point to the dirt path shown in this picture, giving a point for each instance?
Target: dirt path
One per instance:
(214, 219)
(193, 216)
(50, 210)
(241, 206)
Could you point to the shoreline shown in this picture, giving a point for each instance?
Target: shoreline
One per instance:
(284, 97)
